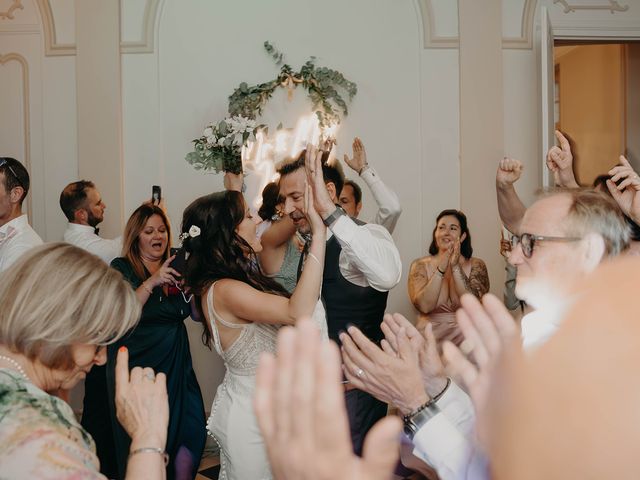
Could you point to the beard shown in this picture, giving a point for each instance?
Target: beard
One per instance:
(92, 220)
(301, 223)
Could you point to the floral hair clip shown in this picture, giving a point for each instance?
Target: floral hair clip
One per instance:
(194, 231)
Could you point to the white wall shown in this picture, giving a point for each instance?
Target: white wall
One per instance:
(181, 59)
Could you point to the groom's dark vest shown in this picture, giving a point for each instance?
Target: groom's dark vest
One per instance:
(348, 304)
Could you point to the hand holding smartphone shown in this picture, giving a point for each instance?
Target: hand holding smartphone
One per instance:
(156, 194)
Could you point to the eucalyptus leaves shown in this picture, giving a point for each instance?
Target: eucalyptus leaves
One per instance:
(220, 146)
(323, 85)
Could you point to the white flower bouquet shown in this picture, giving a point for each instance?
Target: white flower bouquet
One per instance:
(220, 146)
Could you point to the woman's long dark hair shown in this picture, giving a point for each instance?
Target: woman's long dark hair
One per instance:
(270, 200)
(219, 252)
(465, 247)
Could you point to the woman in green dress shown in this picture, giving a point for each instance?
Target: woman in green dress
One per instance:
(159, 341)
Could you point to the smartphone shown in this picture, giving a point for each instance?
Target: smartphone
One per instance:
(156, 194)
(178, 263)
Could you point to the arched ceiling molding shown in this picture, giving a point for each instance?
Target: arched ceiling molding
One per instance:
(15, 5)
(146, 44)
(25, 107)
(51, 45)
(430, 40)
(149, 21)
(524, 41)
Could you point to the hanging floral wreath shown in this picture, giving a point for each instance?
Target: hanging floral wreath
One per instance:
(220, 146)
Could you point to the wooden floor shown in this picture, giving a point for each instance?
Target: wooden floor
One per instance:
(209, 468)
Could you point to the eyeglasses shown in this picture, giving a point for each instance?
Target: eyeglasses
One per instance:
(527, 241)
(5, 162)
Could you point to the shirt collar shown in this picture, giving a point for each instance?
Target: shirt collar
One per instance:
(81, 228)
(17, 223)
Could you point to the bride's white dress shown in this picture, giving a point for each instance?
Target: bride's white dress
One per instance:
(232, 422)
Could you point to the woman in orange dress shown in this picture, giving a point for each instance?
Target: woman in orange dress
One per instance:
(437, 281)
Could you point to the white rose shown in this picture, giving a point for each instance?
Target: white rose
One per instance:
(208, 132)
(211, 140)
(194, 231)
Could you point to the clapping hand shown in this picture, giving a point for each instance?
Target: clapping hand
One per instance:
(390, 375)
(454, 258)
(627, 193)
(487, 327)
(433, 374)
(313, 167)
(359, 160)
(299, 404)
(560, 162)
(509, 171)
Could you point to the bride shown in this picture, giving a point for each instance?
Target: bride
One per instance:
(241, 311)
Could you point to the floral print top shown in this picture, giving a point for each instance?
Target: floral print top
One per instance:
(40, 437)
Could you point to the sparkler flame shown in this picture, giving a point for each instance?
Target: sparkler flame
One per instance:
(260, 158)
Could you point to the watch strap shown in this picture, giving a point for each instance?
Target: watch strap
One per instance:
(415, 422)
(337, 213)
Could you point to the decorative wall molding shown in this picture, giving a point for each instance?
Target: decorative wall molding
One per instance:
(25, 107)
(431, 40)
(51, 45)
(612, 6)
(524, 41)
(8, 14)
(149, 21)
(146, 44)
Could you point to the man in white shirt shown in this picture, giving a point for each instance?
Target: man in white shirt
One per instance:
(16, 235)
(361, 265)
(389, 208)
(83, 206)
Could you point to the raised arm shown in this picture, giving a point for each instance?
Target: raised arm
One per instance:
(368, 249)
(560, 162)
(274, 244)
(510, 207)
(389, 208)
(250, 304)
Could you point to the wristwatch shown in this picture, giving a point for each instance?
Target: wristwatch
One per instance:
(415, 421)
(337, 213)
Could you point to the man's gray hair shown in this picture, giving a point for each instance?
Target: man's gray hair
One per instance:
(595, 212)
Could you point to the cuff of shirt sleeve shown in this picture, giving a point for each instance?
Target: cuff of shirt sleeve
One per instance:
(369, 175)
(344, 229)
(441, 444)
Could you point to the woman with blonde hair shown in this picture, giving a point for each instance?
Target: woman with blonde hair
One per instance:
(60, 307)
(159, 341)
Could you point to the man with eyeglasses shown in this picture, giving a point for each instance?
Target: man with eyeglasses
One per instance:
(16, 235)
(562, 237)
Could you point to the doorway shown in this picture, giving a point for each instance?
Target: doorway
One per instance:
(597, 103)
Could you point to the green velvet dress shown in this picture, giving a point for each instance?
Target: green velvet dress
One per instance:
(159, 341)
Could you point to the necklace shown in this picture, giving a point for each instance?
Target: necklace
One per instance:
(16, 365)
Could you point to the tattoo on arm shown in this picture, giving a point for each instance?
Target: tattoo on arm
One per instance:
(478, 281)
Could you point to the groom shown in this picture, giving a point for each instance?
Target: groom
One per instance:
(361, 265)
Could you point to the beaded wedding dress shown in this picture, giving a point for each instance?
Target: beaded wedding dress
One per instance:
(232, 423)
